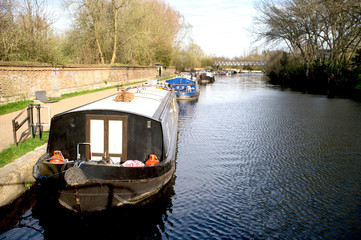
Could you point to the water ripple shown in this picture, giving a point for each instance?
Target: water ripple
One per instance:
(263, 164)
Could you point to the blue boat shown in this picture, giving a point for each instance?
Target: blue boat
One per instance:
(184, 88)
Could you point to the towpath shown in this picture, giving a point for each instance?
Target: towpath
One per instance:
(6, 132)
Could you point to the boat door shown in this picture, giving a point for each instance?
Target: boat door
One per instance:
(107, 136)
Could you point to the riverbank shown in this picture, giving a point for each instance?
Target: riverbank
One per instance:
(340, 80)
(16, 177)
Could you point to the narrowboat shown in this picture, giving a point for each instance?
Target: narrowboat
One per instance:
(184, 88)
(115, 151)
(206, 77)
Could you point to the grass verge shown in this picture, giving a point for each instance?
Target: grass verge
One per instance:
(74, 94)
(166, 78)
(14, 106)
(10, 154)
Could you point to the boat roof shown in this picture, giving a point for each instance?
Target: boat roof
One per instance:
(180, 81)
(148, 102)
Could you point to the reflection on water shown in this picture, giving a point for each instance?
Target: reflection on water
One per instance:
(253, 161)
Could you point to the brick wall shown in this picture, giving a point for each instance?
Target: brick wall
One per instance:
(20, 83)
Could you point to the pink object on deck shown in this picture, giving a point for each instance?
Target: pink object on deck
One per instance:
(133, 163)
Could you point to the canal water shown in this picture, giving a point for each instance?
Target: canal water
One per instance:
(254, 162)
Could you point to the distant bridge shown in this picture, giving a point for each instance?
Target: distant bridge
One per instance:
(239, 63)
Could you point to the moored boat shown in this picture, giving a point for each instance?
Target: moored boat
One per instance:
(206, 77)
(115, 151)
(184, 88)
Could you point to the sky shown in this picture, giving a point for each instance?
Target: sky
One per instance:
(222, 28)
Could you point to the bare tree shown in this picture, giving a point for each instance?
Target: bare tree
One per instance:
(317, 30)
(91, 13)
(26, 32)
(116, 6)
(128, 31)
(150, 35)
(8, 32)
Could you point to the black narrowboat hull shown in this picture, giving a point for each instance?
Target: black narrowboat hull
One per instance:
(206, 79)
(102, 194)
(43, 170)
(187, 96)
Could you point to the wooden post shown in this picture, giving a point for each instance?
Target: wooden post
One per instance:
(14, 133)
(30, 126)
(31, 120)
(39, 122)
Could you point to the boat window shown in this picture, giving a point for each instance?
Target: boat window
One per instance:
(166, 135)
(97, 143)
(168, 125)
(107, 136)
(115, 132)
